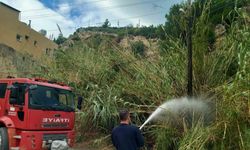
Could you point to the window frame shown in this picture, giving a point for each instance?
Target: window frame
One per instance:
(67, 93)
(3, 94)
(21, 92)
(27, 37)
(19, 37)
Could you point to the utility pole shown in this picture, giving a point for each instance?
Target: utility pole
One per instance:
(189, 54)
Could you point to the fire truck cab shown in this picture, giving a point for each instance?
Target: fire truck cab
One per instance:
(34, 113)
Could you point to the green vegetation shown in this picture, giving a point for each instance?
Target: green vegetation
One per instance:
(111, 77)
(138, 48)
(60, 39)
(106, 24)
(148, 32)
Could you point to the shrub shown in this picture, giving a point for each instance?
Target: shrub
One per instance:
(138, 48)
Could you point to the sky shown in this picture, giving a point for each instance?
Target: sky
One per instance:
(72, 14)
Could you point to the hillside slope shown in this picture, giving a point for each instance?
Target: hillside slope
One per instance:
(105, 69)
(104, 41)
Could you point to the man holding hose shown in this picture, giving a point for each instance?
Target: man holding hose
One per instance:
(126, 136)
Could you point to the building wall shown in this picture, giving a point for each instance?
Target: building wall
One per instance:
(20, 36)
(6, 12)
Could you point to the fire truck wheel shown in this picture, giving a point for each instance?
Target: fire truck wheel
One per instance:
(4, 141)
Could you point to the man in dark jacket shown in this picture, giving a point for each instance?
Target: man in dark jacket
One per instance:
(126, 136)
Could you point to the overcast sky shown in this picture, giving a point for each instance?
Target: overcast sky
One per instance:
(72, 14)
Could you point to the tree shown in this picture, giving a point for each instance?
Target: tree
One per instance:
(60, 39)
(175, 25)
(106, 24)
(43, 32)
(160, 32)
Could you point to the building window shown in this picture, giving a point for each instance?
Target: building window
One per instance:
(19, 37)
(47, 51)
(27, 37)
(35, 43)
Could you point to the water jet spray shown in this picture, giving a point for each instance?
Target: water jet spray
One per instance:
(180, 108)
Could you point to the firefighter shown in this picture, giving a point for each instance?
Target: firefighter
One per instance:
(126, 136)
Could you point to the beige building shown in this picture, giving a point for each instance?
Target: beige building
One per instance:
(21, 36)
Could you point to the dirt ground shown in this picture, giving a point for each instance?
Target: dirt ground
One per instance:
(86, 146)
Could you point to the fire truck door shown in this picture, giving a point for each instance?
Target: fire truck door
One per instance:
(17, 104)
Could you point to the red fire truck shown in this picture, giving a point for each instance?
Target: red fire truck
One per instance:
(34, 113)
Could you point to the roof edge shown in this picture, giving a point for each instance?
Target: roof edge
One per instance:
(10, 7)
